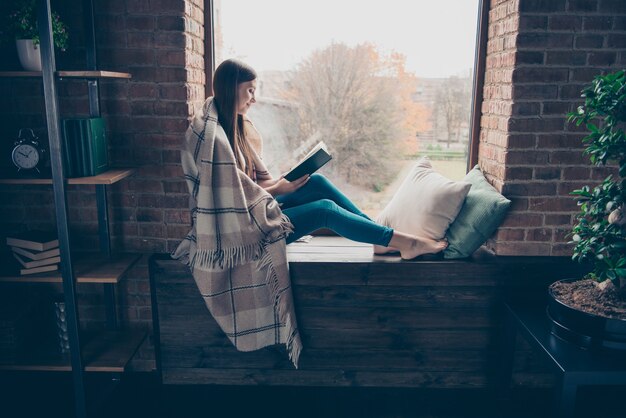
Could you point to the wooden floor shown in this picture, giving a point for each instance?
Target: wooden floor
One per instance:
(139, 395)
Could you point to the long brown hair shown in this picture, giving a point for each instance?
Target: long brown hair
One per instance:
(228, 75)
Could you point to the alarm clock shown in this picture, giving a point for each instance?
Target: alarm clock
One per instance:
(27, 154)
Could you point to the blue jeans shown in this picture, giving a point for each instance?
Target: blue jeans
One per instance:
(319, 204)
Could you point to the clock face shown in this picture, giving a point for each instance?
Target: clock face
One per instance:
(25, 156)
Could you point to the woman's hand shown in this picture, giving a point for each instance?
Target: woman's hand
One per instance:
(283, 186)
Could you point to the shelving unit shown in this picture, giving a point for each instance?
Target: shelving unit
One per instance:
(106, 178)
(67, 74)
(109, 350)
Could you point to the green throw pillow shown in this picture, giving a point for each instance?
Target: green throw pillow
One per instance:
(480, 216)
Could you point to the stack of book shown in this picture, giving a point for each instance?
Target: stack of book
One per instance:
(36, 251)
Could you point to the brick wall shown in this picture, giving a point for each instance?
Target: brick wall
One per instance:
(161, 43)
(540, 55)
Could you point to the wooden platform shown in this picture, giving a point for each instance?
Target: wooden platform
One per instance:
(365, 320)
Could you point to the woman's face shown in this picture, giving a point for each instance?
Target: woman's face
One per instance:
(245, 96)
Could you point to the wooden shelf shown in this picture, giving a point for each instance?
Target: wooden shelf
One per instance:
(68, 74)
(106, 351)
(108, 177)
(88, 269)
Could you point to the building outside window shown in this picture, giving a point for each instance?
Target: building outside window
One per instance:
(381, 86)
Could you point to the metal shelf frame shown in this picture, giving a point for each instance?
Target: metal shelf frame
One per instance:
(49, 78)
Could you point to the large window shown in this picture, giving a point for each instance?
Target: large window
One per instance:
(382, 83)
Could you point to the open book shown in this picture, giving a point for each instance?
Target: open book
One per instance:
(310, 163)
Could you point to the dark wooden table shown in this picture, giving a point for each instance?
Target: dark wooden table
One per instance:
(574, 366)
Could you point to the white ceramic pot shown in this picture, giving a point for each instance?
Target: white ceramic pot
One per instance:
(29, 54)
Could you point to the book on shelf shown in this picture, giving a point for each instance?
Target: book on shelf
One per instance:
(34, 240)
(36, 255)
(310, 163)
(41, 269)
(37, 263)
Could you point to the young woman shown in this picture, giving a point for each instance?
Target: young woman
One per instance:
(311, 202)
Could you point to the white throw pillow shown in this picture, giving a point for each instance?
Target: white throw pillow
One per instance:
(426, 203)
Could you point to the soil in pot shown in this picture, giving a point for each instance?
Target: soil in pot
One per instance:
(586, 296)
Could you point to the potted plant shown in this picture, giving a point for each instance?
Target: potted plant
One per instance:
(592, 311)
(21, 25)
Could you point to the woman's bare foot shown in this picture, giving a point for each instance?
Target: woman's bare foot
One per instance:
(421, 246)
(379, 249)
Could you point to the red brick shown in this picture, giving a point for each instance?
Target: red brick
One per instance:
(140, 40)
(570, 91)
(530, 57)
(567, 158)
(175, 186)
(152, 230)
(171, 39)
(521, 141)
(547, 173)
(178, 216)
(522, 219)
(170, 156)
(539, 234)
(529, 189)
(171, 108)
(576, 173)
(555, 108)
(617, 40)
(518, 173)
(521, 248)
(619, 23)
(172, 58)
(556, 220)
(526, 108)
(552, 204)
(149, 215)
(143, 90)
(171, 23)
(544, 40)
(613, 6)
(140, 23)
(565, 188)
(533, 22)
(562, 249)
(588, 41)
(602, 58)
(150, 201)
(566, 58)
(508, 234)
(582, 5)
(565, 22)
(173, 202)
(541, 6)
(584, 74)
(541, 91)
(536, 124)
(601, 23)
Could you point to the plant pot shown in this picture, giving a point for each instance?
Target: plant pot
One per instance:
(584, 329)
(29, 54)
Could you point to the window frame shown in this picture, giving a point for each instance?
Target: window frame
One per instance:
(480, 58)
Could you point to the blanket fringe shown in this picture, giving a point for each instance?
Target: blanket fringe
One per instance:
(226, 257)
(292, 343)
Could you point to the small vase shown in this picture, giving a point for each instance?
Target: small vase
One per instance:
(29, 54)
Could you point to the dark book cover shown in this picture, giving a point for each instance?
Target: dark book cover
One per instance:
(312, 162)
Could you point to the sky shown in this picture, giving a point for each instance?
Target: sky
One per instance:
(436, 36)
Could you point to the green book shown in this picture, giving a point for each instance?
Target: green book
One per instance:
(86, 147)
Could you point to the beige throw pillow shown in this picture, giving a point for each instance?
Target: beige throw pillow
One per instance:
(426, 203)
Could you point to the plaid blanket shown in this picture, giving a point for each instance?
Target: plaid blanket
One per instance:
(236, 248)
